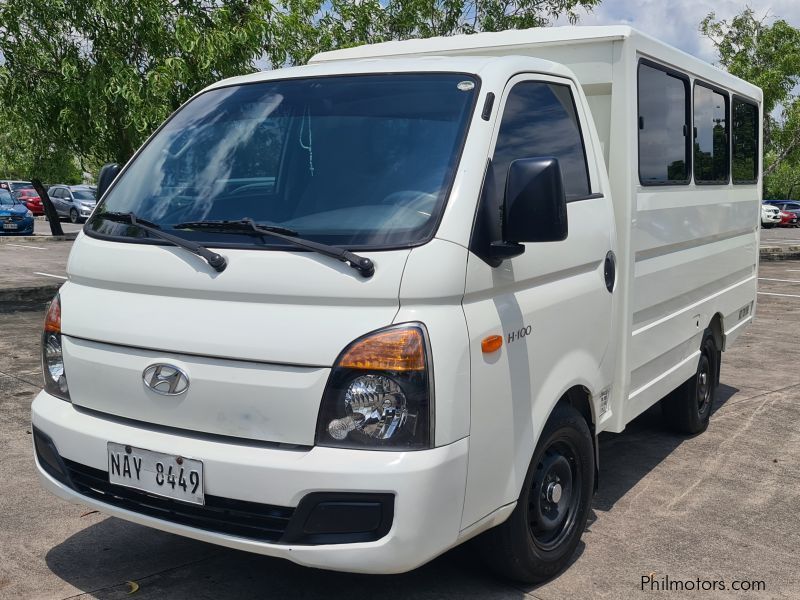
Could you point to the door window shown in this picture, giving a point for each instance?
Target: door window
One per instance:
(540, 120)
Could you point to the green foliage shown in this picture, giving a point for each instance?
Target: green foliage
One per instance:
(767, 55)
(86, 81)
(21, 157)
(95, 77)
(312, 26)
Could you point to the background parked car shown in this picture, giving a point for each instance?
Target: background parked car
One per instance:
(30, 198)
(15, 218)
(792, 206)
(75, 202)
(770, 215)
(788, 219)
(25, 192)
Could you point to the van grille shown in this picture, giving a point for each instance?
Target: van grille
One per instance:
(221, 515)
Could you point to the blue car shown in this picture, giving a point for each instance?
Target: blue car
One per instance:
(15, 218)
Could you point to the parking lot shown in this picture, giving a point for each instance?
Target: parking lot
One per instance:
(42, 227)
(781, 237)
(721, 506)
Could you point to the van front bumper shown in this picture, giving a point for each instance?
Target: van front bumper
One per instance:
(426, 487)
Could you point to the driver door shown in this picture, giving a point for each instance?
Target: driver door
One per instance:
(551, 304)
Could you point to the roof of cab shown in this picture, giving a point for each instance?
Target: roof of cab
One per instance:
(458, 64)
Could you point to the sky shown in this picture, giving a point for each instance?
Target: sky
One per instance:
(676, 21)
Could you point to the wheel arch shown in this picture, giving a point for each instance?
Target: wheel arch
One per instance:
(580, 398)
(718, 330)
(579, 393)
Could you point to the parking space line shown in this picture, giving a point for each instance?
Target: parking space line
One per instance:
(26, 246)
(49, 275)
(782, 295)
(781, 280)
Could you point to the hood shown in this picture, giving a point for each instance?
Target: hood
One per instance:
(16, 209)
(273, 306)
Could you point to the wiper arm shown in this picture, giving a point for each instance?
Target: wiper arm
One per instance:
(361, 264)
(216, 261)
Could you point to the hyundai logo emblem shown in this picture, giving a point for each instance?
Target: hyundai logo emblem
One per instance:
(167, 380)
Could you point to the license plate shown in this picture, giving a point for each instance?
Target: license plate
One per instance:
(9, 225)
(164, 475)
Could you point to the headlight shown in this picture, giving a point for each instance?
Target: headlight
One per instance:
(29, 214)
(379, 393)
(55, 378)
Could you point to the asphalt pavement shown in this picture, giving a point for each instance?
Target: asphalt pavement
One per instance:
(42, 227)
(721, 506)
(31, 271)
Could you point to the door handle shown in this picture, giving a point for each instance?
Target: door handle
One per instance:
(610, 270)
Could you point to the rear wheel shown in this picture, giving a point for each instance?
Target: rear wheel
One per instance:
(539, 538)
(688, 408)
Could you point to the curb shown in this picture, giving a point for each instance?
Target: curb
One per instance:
(780, 253)
(67, 237)
(34, 297)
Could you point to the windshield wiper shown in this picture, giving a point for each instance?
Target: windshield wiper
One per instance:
(236, 226)
(361, 264)
(216, 261)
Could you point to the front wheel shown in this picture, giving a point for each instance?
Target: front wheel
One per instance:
(538, 539)
(74, 217)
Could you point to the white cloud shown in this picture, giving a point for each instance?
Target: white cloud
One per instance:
(676, 21)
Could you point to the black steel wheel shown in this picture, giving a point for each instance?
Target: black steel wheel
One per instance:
(555, 494)
(688, 408)
(539, 538)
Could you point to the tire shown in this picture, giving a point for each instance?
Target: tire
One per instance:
(539, 538)
(688, 408)
(74, 217)
(768, 225)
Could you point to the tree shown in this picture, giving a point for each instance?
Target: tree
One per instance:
(91, 79)
(22, 155)
(318, 25)
(95, 77)
(767, 55)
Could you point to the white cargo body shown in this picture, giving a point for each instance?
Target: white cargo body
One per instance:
(355, 313)
(685, 253)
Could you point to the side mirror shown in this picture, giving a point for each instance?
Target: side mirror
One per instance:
(106, 176)
(534, 207)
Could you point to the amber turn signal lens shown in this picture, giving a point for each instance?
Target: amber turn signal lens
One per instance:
(392, 350)
(52, 321)
(491, 343)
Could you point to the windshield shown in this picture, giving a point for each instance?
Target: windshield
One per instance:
(358, 161)
(83, 195)
(6, 199)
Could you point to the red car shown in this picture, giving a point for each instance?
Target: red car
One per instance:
(788, 219)
(31, 200)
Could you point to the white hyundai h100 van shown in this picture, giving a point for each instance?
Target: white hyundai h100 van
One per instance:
(355, 313)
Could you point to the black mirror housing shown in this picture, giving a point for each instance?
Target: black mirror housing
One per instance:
(535, 205)
(106, 176)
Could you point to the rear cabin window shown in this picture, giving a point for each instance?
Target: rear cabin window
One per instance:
(540, 120)
(710, 135)
(663, 125)
(745, 142)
